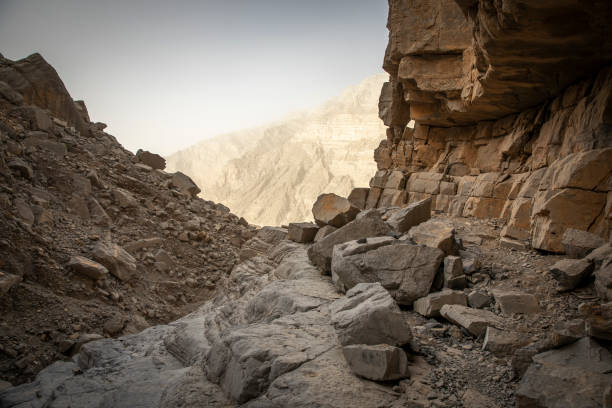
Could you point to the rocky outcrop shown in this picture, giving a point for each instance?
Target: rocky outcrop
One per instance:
(271, 175)
(492, 138)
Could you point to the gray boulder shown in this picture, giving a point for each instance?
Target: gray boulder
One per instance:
(435, 234)
(430, 305)
(370, 224)
(331, 209)
(578, 243)
(184, 184)
(512, 301)
(570, 272)
(379, 362)
(87, 267)
(410, 216)
(475, 321)
(368, 315)
(407, 271)
(574, 376)
(603, 281)
(155, 161)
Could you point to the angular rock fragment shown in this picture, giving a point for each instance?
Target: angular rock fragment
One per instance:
(155, 161)
(574, 376)
(512, 301)
(410, 216)
(87, 267)
(407, 271)
(503, 342)
(331, 209)
(369, 224)
(478, 299)
(302, 232)
(118, 261)
(184, 184)
(570, 272)
(598, 323)
(368, 315)
(578, 243)
(430, 305)
(377, 362)
(567, 332)
(603, 281)
(22, 167)
(475, 321)
(435, 234)
(124, 198)
(454, 278)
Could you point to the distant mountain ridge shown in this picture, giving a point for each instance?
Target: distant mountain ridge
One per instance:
(272, 174)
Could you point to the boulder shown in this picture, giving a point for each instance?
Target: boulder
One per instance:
(567, 332)
(570, 272)
(302, 232)
(475, 321)
(155, 161)
(473, 399)
(7, 281)
(116, 259)
(331, 209)
(435, 234)
(323, 232)
(87, 267)
(574, 376)
(407, 271)
(430, 305)
(502, 342)
(377, 362)
(368, 315)
(410, 216)
(512, 301)
(184, 184)
(370, 224)
(478, 299)
(578, 243)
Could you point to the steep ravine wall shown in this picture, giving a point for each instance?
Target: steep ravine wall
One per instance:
(518, 133)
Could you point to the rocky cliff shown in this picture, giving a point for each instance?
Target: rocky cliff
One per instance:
(271, 175)
(512, 106)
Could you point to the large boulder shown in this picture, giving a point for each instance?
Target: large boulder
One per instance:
(410, 216)
(512, 301)
(331, 209)
(570, 272)
(574, 376)
(368, 315)
(406, 270)
(369, 224)
(118, 261)
(435, 234)
(379, 362)
(578, 243)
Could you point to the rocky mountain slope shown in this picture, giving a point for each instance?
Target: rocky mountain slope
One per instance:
(271, 175)
(94, 243)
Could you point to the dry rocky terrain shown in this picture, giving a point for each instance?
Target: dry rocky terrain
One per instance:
(476, 271)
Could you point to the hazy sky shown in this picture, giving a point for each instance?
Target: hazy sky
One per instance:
(165, 74)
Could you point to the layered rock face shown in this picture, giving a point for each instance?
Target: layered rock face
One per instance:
(512, 107)
(271, 175)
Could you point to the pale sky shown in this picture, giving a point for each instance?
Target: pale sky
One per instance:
(165, 74)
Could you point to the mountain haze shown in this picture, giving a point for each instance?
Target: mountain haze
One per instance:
(272, 174)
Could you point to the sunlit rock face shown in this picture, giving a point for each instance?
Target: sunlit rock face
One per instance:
(271, 175)
(511, 102)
